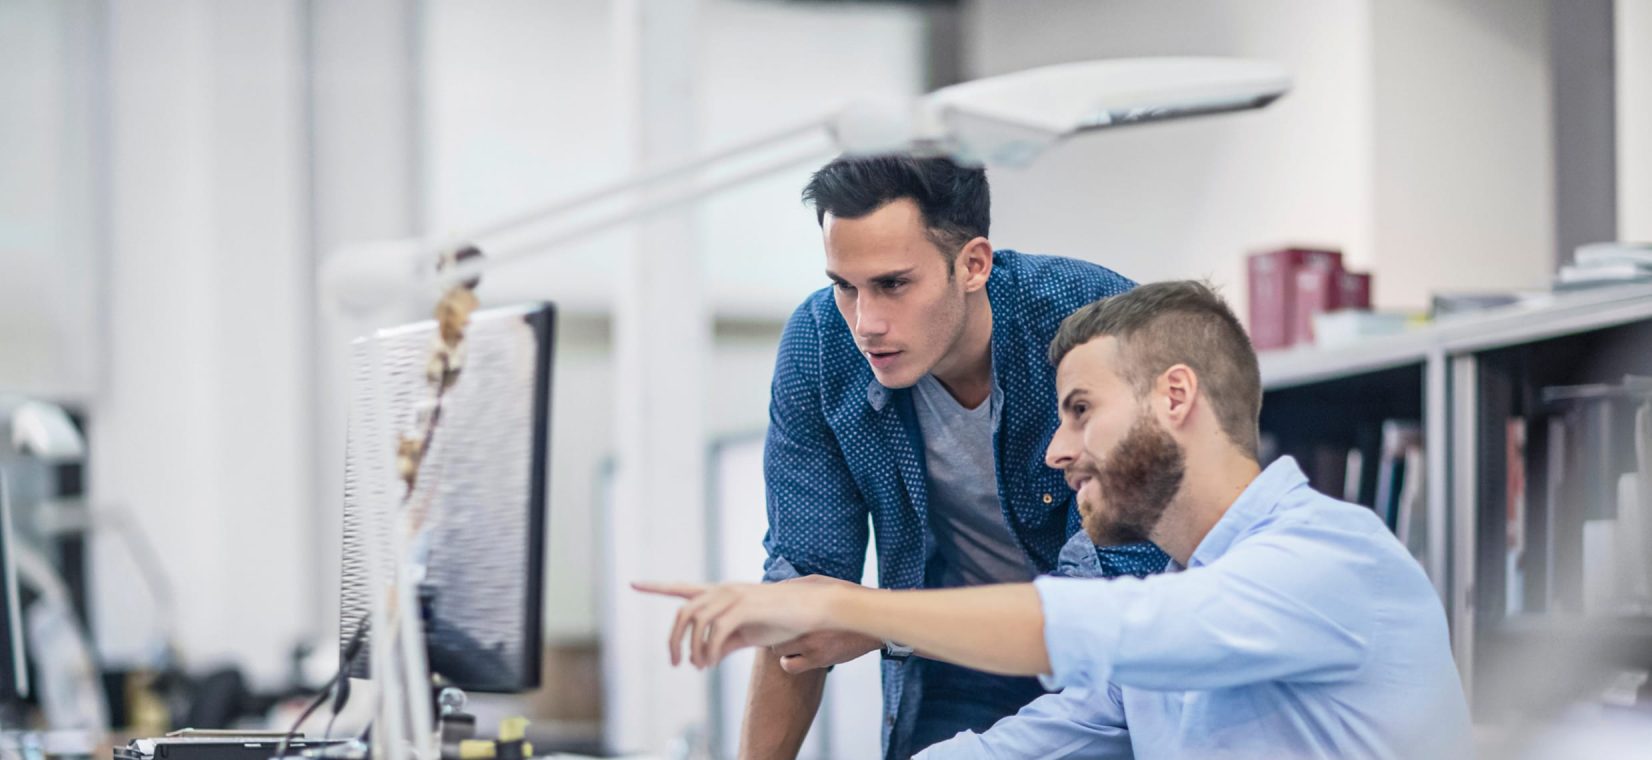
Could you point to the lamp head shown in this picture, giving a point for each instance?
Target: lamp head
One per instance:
(1010, 120)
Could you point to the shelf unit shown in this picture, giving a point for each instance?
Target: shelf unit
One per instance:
(1464, 377)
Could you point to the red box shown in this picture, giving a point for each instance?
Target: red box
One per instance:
(1317, 291)
(1354, 291)
(1272, 285)
(1324, 290)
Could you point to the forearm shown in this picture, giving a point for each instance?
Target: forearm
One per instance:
(999, 629)
(780, 707)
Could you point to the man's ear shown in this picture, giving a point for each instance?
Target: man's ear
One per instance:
(1178, 394)
(975, 261)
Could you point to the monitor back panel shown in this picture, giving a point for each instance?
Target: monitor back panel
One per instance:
(482, 479)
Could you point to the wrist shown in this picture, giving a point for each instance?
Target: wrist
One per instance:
(836, 608)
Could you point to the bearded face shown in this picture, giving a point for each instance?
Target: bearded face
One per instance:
(1127, 490)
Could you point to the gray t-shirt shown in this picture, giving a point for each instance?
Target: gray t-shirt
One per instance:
(975, 544)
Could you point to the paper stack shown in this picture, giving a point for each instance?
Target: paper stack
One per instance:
(1606, 263)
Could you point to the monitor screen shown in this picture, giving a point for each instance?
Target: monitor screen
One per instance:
(482, 479)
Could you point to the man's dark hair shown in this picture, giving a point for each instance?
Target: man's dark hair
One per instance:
(954, 200)
(1162, 324)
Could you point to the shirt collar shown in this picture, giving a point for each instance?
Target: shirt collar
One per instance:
(1258, 500)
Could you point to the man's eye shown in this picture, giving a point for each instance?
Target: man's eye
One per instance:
(843, 287)
(894, 285)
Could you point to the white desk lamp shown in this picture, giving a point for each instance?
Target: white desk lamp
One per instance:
(1001, 121)
(1006, 120)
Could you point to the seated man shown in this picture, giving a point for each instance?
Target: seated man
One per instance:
(1288, 624)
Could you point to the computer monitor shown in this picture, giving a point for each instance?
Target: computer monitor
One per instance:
(484, 479)
(14, 670)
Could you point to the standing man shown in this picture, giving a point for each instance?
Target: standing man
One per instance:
(913, 393)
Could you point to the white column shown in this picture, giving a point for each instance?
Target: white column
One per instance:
(203, 432)
(661, 334)
(49, 211)
(1633, 23)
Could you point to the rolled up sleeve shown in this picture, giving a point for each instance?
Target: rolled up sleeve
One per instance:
(818, 521)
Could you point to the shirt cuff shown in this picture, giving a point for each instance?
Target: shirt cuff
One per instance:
(1081, 631)
(778, 569)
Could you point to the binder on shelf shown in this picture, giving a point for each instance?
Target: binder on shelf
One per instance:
(1271, 277)
(1514, 515)
(1318, 291)
(1398, 438)
(1411, 526)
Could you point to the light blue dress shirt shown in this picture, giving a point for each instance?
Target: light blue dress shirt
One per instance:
(1300, 629)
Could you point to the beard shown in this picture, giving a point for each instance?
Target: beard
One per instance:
(1136, 484)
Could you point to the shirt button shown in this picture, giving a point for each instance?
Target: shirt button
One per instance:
(1048, 499)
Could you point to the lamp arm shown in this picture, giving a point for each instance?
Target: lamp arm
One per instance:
(368, 275)
(637, 182)
(656, 203)
(1005, 120)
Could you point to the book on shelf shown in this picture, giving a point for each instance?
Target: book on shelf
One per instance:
(1606, 263)
(1640, 503)
(1411, 525)
(1595, 254)
(1327, 469)
(1514, 514)
(1599, 479)
(1557, 490)
(1634, 568)
(1353, 474)
(1572, 274)
(1399, 437)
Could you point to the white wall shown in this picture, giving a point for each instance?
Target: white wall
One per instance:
(1464, 181)
(1189, 199)
(1634, 113)
(523, 98)
(1416, 138)
(765, 65)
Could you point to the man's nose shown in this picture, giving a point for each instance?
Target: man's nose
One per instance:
(1060, 452)
(869, 321)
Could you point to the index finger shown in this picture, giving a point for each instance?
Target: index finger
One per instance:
(679, 590)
